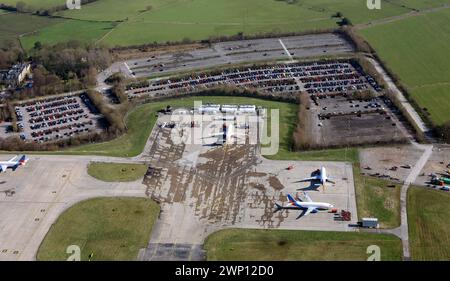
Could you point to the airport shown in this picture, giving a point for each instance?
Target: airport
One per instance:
(207, 165)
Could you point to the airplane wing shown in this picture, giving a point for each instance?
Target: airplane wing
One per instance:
(309, 211)
(309, 179)
(301, 214)
(13, 159)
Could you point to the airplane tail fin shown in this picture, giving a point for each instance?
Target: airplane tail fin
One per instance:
(291, 199)
(278, 207)
(23, 160)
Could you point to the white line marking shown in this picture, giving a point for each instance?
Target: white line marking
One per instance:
(131, 73)
(286, 50)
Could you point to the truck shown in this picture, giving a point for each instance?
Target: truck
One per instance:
(369, 222)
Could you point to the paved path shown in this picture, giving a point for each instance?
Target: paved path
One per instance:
(402, 16)
(415, 171)
(402, 231)
(391, 86)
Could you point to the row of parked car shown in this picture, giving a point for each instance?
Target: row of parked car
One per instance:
(319, 77)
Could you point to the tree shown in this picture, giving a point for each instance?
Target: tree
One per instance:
(345, 21)
(37, 45)
(444, 131)
(21, 7)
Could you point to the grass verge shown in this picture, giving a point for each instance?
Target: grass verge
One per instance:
(116, 172)
(375, 199)
(270, 245)
(429, 224)
(110, 228)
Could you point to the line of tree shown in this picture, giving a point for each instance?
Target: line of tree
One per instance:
(63, 59)
(302, 133)
(444, 132)
(114, 115)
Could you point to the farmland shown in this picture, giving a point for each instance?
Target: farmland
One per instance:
(429, 224)
(115, 22)
(87, 32)
(422, 66)
(13, 25)
(35, 4)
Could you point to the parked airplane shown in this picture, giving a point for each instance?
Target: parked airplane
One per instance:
(225, 136)
(13, 163)
(307, 206)
(320, 176)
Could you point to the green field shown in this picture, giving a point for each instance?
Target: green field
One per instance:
(35, 4)
(13, 25)
(429, 224)
(200, 19)
(416, 49)
(117, 22)
(375, 199)
(116, 172)
(110, 228)
(86, 32)
(274, 245)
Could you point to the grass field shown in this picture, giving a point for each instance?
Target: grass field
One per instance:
(86, 32)
(116, 172)
(13, 25)
(416, 49)
(117, 22)
(111, 228)
(174, 20)
(375, 199)
(429, 224)
(35, 4)
(273, 245)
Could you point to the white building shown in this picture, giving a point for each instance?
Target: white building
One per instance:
(247, 109)
(16, 74)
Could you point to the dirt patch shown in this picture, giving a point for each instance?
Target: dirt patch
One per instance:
(145, 52)
(256, 174)
(275, 183)
(258, 186)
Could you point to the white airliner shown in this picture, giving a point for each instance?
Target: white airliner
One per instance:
(13, 163)
(225, 136)
(321, 176)
(307, 206)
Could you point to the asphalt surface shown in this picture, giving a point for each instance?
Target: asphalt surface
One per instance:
(232, 52)
(33, 197)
